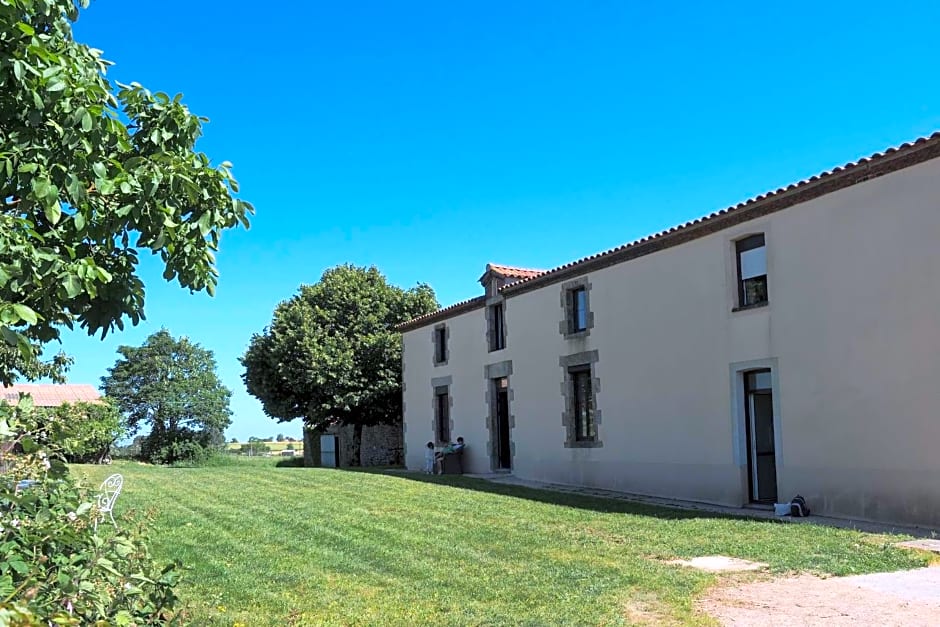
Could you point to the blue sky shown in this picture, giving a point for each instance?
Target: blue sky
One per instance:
(431, 138)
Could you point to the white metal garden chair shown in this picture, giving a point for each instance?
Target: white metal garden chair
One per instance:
(109, 491)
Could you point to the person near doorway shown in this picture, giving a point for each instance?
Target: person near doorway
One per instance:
(429, 458)
(450, 458)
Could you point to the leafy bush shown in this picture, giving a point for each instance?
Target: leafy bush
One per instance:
(54, 569)
(180, 447)
(86, 431)
(290, 462)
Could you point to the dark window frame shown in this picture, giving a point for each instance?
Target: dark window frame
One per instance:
(577, 310)
(751, 242)
(582, 402)
(497, 327)
(442, 414)
(440, 353)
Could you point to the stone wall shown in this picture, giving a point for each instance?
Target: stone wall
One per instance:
(382, 445)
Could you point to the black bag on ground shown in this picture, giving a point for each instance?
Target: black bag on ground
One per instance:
(798, 507)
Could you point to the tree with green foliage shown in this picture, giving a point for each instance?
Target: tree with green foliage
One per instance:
(172, 386)
(88, 430)
(331, 355)
(255, 448)
(92, 174)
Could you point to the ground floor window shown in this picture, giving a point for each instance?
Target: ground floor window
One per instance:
(585, 429)
(442, 414)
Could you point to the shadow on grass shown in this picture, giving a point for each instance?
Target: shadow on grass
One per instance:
(564, 499)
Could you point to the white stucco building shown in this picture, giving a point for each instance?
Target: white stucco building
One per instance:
(790, 344)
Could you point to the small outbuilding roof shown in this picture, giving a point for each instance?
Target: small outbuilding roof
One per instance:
(51, 395)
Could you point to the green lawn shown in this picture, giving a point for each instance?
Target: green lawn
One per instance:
(299, 546)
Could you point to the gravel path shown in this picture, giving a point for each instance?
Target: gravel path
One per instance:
(908, 598)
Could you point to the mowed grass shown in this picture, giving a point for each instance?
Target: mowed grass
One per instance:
(305, 546)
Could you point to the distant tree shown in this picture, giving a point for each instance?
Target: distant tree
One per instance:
(280, 437)
(233, 441)
(254, 448)
(170, 385)
(289, 447)
(92, 174)
(269, 439)
(331, 355)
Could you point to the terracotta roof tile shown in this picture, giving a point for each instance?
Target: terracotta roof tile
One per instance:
(50, 395)
(513, 272)
(878, 164)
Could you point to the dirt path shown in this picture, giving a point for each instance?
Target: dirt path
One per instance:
(908, 598)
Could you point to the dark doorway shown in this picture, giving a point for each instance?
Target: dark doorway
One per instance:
(759, 421)
(501, 422)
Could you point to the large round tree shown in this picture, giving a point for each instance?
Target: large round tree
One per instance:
(171, 386)
(330, 355)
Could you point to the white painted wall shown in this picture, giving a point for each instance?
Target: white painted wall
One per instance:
(853, 330)
(467, 347)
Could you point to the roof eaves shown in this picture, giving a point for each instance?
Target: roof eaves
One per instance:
(840, 177)
(442, 314)
(878, 164)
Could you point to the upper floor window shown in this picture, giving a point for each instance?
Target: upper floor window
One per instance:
(440, 345)
(752, 270)
(577, 318)
(577, 310)
(497, 327)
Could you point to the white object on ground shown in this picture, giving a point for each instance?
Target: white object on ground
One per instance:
(110, 489)
(719, 563)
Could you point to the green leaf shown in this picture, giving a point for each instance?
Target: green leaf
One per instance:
(53, 212)
(79, 220)
(26, 28)
(105, 186)
(86, 122)
(19, 566)
(73, 287)
(18, 69)
(25, 314)
(100, 170)
(57, 85)
(41, 186)
(205, 223)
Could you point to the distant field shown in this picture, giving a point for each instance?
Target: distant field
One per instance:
(313, 546)
(275, 447)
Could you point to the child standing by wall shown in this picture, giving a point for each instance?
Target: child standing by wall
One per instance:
(429, 459)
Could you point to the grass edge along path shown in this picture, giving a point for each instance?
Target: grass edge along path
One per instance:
(306, 546)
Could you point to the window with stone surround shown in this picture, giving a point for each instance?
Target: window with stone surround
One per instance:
(497, 327)
(751, 254)
(577, 318)
(439, 336)
(582, 403)
(579, 387)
